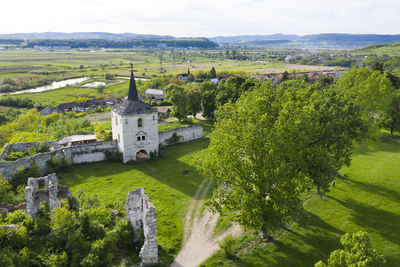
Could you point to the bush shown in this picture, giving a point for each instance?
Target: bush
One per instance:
(109, 76)
(21, 176)
(228, 246)
(112, 155)
(6, 88)
(153, 154)
(357, 251)
(43, 148)
(13, 156)
(9, 81)
(58, 165)
(175, 138)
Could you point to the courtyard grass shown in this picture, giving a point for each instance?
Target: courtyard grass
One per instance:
(163, 180)
(366, 197)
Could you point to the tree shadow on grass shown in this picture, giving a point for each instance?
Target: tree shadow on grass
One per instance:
(303, 244)
(373, 219)
(384, 191)
(169, 169)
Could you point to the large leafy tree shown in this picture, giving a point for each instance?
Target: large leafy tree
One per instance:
(177, 96)
(391, 118)
(371, 89)
(193, 93)
(208, 104)
(274, 143)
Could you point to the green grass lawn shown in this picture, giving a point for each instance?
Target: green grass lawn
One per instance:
(162, 179)
(366, 198)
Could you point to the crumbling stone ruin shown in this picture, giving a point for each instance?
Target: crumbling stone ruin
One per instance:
(142, 214)
(7, 207)
(52, 193)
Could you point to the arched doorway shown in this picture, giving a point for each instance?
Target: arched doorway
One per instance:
(141, 155)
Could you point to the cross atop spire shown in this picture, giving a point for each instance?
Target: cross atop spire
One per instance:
(132, 95)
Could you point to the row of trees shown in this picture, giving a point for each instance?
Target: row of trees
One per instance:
(206, 96)
(273, 143)
(126, 43)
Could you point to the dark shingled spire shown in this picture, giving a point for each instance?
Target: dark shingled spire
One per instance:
(132, 95)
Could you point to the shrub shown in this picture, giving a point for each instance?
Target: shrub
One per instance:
(153, 154)
(9, 81)
(228, 246)
(56, 164)
(6, 88)
(13, 156)
(112, 155)
(21, 176)
(357, 251)
(108, 76)
(175, 138)
(43, 147)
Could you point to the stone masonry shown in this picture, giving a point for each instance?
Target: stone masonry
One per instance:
(142, 214)
(52, 193)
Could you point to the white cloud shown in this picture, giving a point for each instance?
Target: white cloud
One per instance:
(202, 18)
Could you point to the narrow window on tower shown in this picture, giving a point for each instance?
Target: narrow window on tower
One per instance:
(139, 122)
(138, 138)
(143, 138)
(126, 121)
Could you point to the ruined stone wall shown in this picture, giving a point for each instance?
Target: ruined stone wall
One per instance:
(24, 146)
(187, 133)
(82, 153)
(142, 214)
(92, 152)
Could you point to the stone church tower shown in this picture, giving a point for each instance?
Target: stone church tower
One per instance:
(135, 126)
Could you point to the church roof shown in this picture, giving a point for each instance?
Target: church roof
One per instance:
(132, 95)
(133, 105)
(130, 107)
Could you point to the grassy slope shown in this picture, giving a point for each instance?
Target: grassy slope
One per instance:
(163, 181)
(367, 198)
(392, 49)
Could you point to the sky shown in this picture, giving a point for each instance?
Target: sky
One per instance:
(206, 18)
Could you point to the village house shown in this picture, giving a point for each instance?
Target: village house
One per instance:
(184, 77)
(163, 112)
(156, 94)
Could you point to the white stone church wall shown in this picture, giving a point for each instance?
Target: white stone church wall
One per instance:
(186, 133)
(82, 153)
(131, 131)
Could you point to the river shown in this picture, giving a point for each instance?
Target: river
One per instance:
(60, 84)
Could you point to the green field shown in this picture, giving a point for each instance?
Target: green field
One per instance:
(163, 180)
(33, 64)
(367, 198)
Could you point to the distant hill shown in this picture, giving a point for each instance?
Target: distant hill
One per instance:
(81, 35)
(334, 40)
(102, 40)
(250, 38)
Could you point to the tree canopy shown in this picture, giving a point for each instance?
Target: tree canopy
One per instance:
(274, 143)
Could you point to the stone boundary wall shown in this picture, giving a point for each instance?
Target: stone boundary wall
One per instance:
(82, 153)
(24, 146)
(186, 133)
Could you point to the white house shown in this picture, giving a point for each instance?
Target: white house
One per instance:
(155, 94)
(135, 126)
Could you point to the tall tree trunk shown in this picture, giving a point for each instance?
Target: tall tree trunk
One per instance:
(318, 190)
(266, 236)
(391, 131)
